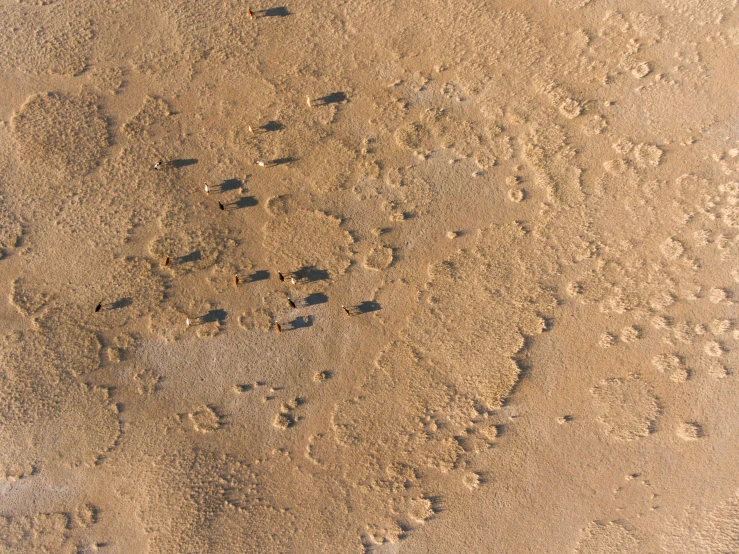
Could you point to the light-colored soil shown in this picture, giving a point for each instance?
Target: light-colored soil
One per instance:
(509, 240)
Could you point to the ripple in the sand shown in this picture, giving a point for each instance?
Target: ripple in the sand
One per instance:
(627, 407)
(51, 37)
(329, 166)
(380, 257)
(610, 537)
(473, 296)
(27, 298)
(61, 132)
(196, 500)
(46, 532)
(306, 239)
(154, 110)
(190, 249)
(46, 415)
(707, 531)
(206, 419)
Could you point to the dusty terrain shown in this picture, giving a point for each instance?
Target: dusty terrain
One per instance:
(513, 230)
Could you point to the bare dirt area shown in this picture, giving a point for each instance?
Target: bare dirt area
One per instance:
(369, 277)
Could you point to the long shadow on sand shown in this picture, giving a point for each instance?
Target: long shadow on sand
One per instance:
(311, 273)
(228, 184)
(121, 303)
(261, 275)
(243, 202)
(314, 298)
(272, 126)
(364, 308)
(333, 98)
(301, 322)
(218, 315)
(193, 256)
(182, 163)
(280, 11)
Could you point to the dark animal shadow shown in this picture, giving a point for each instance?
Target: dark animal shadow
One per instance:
(300, 323)
(243, 202)
(272, 126)
(182, 163)
(213, 315)
(365, 307)
(229, 184)
(311, 273)
(280, 11)
(281, 161)
(333, 98)
(260, 275)
(191, 257)
(315, 298)
(122, 303)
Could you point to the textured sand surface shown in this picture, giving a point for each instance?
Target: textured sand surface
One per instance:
(509, 237)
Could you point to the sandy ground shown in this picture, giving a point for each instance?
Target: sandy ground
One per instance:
(513, 230)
